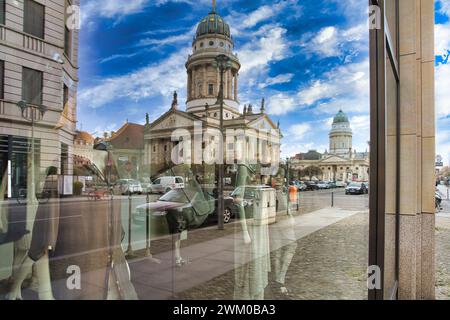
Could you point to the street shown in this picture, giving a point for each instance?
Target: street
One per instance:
(83, 229)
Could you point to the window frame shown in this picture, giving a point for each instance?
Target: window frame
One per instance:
(41, 96)
(25, 24)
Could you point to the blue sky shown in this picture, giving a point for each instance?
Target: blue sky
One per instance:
(308, 58)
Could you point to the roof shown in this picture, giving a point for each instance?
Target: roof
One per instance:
(213, 24)
(130, 136)
(85, 136)
(340, 117)
(310, 155)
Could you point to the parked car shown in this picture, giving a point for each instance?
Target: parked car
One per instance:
(367, 186)
(300, 185)
(128, 186)
(192, 206)
(166, 184)
(311, 186)
(340, 184)
(332, 184)
(356, 188)
(323, 185)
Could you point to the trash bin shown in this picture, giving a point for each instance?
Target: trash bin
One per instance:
(265, 206)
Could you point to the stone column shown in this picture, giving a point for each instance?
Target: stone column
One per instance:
(189, 85)
(417, 149)
(193, 83)
(230, 84)
(236, 86)
(225, 85)
(205, 83)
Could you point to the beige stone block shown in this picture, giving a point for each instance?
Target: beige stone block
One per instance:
(419, 98)
(419, 174)
(407, 27)
(408, 97)
(428, 176)
(391, 174)
(408, 178)
(427, 30)
(428, 100)
(418, 33)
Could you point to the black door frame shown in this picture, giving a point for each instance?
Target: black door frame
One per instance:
(381, 45)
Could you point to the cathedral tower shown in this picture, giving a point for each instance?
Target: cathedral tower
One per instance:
(341, 135)
(213, 37)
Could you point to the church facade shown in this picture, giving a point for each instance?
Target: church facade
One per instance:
(340, 163)
(193, 136)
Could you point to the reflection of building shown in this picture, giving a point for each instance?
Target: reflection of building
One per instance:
(203, 112)
(38, 65)
(127, 149)
(342, 163)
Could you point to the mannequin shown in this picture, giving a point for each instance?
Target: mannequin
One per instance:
(284, 243)
(251, 273)
(43, 241)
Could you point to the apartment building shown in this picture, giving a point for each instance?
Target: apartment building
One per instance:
(38, 86)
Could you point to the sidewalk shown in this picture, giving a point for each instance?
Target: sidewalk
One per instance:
(215, 258)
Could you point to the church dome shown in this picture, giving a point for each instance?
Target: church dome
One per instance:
(213, 24)
(340, 117)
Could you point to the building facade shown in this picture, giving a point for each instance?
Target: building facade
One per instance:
(341, 163)
(193, 136)
(38, 72)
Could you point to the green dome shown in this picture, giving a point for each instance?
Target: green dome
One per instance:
(213, 24)
(340, 117)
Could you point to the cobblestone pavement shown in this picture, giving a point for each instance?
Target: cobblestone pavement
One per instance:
(328, 264)
(443, 257)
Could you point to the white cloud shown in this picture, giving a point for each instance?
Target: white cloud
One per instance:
(240, 22)
(442, 78)
(344, 87)
(143, 83)
(335, 42)
(299, 131)
(442, 39)
(110, 8)
(445, 7)
(281, 103)
(279, 79)
(184, 37)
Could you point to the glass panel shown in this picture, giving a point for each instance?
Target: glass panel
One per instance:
(120, 204)
(391, 182)
(391, 16)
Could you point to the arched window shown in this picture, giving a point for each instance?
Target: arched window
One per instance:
(211, 89)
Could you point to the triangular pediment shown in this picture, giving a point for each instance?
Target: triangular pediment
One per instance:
(262, 123)
(173, 119)
(333, 159)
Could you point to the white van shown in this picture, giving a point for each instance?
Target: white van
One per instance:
(166, 184)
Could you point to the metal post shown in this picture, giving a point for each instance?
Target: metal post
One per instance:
(130, 252)
(287, 185)
(33, 186)
(147, 226)
(332, 199)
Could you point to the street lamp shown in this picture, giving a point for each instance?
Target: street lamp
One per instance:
(223, 63)
(41, 109)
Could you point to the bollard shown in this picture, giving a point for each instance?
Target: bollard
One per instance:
(332, 199)
(130, 252)
(147, 226)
